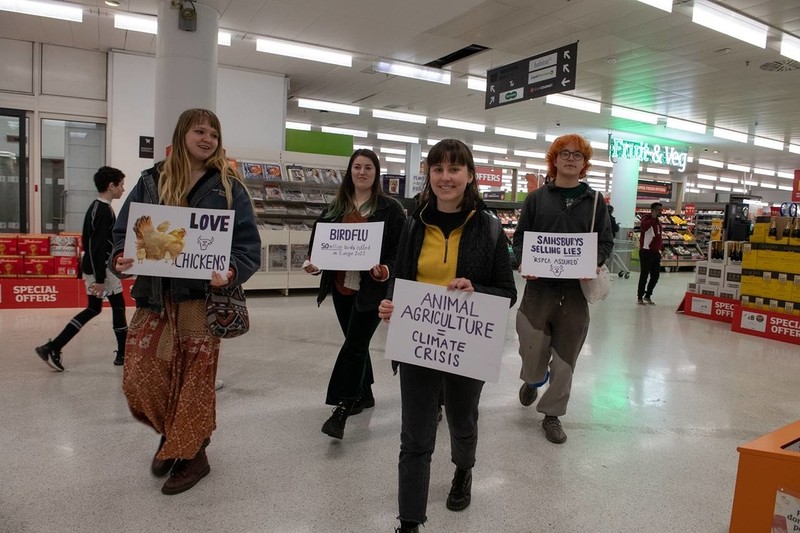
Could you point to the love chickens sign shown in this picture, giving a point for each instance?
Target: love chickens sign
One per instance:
(178, 242)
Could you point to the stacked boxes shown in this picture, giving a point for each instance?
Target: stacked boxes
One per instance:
(721, 275)
(39, 256)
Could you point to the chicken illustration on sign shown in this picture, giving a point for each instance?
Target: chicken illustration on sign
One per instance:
(156, 243)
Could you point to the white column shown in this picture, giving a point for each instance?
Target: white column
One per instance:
(186, 69)
(413, 158)
(625, 176)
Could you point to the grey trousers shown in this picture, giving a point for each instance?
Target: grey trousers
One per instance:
(552, 323)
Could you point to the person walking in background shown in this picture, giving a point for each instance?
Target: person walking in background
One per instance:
(171, 361)
(553, 317)
(356, 295)
(97, 243)
(453, 241)
(613, 221)
(650, 246)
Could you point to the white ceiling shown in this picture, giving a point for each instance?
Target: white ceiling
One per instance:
(630, 54)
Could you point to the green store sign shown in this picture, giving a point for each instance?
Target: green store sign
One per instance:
(647, 153)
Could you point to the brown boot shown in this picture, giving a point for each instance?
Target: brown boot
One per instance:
(186, 473)
(158, 467)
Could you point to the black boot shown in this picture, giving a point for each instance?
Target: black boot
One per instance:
(158, 467)
(461, 490)
(407, 528)
(334, 426)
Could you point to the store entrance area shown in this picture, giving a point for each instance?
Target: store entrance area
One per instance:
(660, 401)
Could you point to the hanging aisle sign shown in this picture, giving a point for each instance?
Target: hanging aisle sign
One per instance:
(647, 153)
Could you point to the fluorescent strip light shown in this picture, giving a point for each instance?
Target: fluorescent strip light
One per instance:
(490, 149)
(550, 138)
(729, 180)
(476, 84)
(769, 185)
(785, 188)
(685, 125)
(693, 190)
(501, 163)
(412, 71)
(785, 175)
(395, 151)
(397, 138)
(481, 160)
(730, 135)
(763, 171)
(794, 148)
(328, 106)
(738, 168)
(738, 190)
(596, 173)
(606, 164)
(790, 47)
(710, 163)
(653, 170)
(730, 23)
(459, 125)
(268, 45)
(361, 147)
(707, 177)
(224, 38)
(633, 114)
(384, 170)
(536, 167)
(140, 23)
(704, 186)
(53, 10)
(404, 117)
(768, 143)
(298, 126)
(666, 5)
(597, 145)
(525, 153)
(423, 154)
(721, 188)
(431, 142)
(394, 159)
(573, 102)
(522, 134)
(344, 131)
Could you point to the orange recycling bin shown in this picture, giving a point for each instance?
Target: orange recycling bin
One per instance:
(767, 465)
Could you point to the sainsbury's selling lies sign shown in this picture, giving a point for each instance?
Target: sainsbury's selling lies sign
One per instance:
(453, 331)
(559, 255)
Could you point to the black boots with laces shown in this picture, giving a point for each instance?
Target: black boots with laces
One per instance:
(461, 490)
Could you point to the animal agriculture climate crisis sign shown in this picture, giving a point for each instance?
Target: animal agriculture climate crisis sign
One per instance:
(453, 331)
(178, 242)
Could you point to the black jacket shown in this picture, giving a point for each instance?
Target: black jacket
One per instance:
(370, 292)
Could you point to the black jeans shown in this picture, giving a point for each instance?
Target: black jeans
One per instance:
(650, 264)
(419, 390)
(352, 372)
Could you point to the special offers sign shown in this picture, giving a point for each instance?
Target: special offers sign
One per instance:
(347, 246)
(452, 331)
(178, 242)
(559, 255)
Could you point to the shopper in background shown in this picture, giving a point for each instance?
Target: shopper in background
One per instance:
(356, 295)
(613, 221)
(650, 246)
(553, 317)
(97, 244)
(171, 362)
(453, 241)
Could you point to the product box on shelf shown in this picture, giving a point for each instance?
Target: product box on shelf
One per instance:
(779, 230)
(760, 229)
(691, 287)
(10, 266)
(65, 266)
(778, 258)
(729, 293)
(708, 290)
(733, 277)
(701, 272)
(716, 274)
(717, 252)
(64, 245)
(38, 245)
(8, 244)
(749, 256)
(37, 266)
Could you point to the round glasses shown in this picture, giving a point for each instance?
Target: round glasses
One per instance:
(566, 154)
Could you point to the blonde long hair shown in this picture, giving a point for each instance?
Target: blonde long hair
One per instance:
(173, 179)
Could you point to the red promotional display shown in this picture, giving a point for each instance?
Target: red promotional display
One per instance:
(22, 293)
(796, 187)
(776, 326)
(710, 307)
(490, 176)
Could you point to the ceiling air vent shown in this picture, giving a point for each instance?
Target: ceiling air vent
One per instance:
(458, 55)
(784, 65)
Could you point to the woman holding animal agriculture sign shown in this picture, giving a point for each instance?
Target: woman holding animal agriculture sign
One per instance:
(553, 316)
(171, 358)
(453, 241)
(356, 294)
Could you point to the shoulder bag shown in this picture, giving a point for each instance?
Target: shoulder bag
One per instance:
(596, 289)
(226, 312)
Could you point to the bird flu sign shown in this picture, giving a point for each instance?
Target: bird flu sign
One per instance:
(178, 242)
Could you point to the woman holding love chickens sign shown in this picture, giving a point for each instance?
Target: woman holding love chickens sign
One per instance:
(171, 357)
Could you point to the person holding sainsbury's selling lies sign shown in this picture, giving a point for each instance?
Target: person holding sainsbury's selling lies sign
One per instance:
(353, 245)
(557, 243)
(452, 258)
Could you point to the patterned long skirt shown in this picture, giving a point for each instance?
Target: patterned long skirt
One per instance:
(170, 368)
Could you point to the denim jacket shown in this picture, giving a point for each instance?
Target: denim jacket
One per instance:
(245, 246)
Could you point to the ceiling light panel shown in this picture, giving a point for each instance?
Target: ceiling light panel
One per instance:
(790, 47)
(738, 168)
(502, 163)
(573, 102)
(490, 149)
(666, 5)
(785, 175)
(704, 186)
(710, 163)
(729, 180)
(730, 135)
(481, 160)
(268, 45)
(403, 117)
(328, 106)
(397, 138)
(685, 125)
(634, 114)
(298, 126)
(395, 151)
(413, 71)
(362, 147)
(653, 170)
(729, 22)
(707, 177)
(344, 131)
(53, 10)
(768, 143)
(459, 125)
(597, 145)
(394, 159)
(764, 171)
(509, 132)
(476, 84)
(140, 23)
(525, 153)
